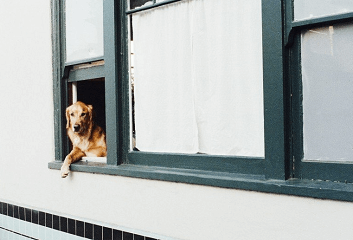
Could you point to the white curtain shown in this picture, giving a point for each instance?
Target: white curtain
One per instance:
(198, 78)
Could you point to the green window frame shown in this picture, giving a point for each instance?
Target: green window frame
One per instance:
(65, 74)
(273, 174)
(340, 171)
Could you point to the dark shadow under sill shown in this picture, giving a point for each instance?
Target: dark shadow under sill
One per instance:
(295, 187)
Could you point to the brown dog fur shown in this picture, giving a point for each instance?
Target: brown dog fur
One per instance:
(87, 138)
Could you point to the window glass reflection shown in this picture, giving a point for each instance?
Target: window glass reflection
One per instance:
(327, 72)
(307, 9)
(84, 29)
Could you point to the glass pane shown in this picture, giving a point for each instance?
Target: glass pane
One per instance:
(139, 3)
(84, 29)
(198, 85)
(327, 72)
(306, 9)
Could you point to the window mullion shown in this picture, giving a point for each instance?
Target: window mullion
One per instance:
(273, 70)
(111, 78)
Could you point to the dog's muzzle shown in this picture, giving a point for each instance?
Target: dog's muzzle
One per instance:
(76, 128)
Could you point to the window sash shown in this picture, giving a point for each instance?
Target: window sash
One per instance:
(83, 74)
(83, 30)
(254, 166)
(198, 110)
(62, 76)
(273, 165)
(300, 168)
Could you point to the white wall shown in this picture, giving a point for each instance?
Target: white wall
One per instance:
(170, 209)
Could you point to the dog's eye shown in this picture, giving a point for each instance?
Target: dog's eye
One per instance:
(72, 114)
(83, 114)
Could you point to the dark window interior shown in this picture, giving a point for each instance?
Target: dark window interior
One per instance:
(92, 92)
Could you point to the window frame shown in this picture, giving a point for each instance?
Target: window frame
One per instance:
(273, 174)
(229, 164)
(63, 75)
(309, 169)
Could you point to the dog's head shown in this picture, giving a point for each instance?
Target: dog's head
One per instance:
(79, 117)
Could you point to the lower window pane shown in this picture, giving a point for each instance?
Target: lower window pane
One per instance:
(198, 78)
(327, 72)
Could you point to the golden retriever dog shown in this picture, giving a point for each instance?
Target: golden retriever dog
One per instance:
(87, 138)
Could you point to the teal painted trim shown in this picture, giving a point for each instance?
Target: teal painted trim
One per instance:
(86, 73)
(87, 60)
(340, 171)
(56, 46)
(323, 20)
(124, 84)
(273, 82)
(205, 162)
(111, 34)
(287, 20)
(295, 187)
(296, 105)
(59, 93)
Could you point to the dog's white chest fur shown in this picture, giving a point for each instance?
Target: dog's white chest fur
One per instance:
(83, 144)
(76, 141)
(80, 142)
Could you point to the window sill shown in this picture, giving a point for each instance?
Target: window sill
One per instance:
(296, 187)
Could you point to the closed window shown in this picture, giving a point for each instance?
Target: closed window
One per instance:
(322, 89)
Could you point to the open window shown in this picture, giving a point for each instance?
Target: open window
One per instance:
(84, 57)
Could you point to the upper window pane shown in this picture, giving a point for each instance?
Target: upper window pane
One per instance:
(198, 85)
(327, 72)
(84, 29)
(306, 9)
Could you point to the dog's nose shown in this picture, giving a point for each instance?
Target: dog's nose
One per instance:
(76, 128)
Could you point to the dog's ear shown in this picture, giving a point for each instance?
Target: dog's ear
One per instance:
(67, 117)
(90, 112)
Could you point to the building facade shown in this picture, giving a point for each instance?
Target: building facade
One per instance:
(224, 119)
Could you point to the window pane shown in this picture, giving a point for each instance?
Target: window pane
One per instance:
(327, 72)
(306, 9)
(198, 78)
(84, 29)
(139, 3)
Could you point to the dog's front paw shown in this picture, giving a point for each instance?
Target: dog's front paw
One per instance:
(65, 170)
